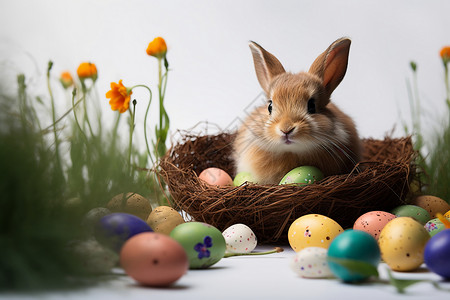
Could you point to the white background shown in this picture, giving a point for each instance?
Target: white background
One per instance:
(212, 77)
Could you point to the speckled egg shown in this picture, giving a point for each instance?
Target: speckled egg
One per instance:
(302, 175)
(416, 212)
(434, 226)
(216, 176)
(164, 219)
(311, 262)
(130, 203)
(373, 222)
(243, 177)
(402, 242)
(92, 217)
(239, 238)
(313, 230)
(432, 204)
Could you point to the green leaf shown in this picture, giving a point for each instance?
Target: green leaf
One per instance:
(402, 284)
(356, 266)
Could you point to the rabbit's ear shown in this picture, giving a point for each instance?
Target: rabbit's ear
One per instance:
(267, 66)
(331, 65)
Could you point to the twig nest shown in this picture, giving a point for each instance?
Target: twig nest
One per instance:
(381, 181)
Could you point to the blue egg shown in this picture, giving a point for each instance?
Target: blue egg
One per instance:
(115, 229)
(353, 245)
(437, 254)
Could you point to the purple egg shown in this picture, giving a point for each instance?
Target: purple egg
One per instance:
(115, 229)
(437, 254)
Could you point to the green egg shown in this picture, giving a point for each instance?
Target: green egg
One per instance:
(434, 226)
(302, 175)
(417, 213)
(243, 177)
(204, 244)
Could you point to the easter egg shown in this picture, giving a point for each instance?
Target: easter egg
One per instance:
(216, 176)
(311, 262)
(434, 226)
(239, 238)
(243, 177)
(92, 217)
(447, 215)
(312, 230)
(130, 203)
(93, 257)
(115, 229)
(402, 242)
(302, 175)
(417, 213)
(355, 245)
(153, 259)
(164, 219)
(432, 204)
(203, 243)
(437, 254)
(373, 222)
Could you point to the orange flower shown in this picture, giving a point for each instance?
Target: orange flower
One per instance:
(157, 48)
(120, 97)
(87, 70)
(66, 79)
(445, 54)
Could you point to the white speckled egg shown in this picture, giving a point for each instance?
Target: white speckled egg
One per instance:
(311, 262)
(239, 239)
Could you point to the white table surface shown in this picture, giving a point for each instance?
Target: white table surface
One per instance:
(255, 277)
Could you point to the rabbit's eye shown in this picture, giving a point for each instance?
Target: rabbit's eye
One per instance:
(312, 106)
(269, 108)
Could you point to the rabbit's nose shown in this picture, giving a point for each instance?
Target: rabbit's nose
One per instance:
(287, 131)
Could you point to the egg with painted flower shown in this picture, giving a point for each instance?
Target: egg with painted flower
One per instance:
(203, 243)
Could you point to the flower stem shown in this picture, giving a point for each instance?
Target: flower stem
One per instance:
(74, 92)
(52, 100)
(275, 250)
(447, 84)
(86, 117)
(130, 145)
(145, 119)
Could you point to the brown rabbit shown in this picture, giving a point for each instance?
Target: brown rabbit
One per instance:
(298, 126)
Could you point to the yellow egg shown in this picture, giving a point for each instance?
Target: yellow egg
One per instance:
(164, 219)
(402, 242)
(432, 204)
(447, 214)
(313, 230)
(131, 203)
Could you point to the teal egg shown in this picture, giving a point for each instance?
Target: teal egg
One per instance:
(354, 245)
(243, 177)
(434, 226)
(302, 175)
(204, 244)
(416, 212)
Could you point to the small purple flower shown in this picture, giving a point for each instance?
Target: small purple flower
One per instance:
(202, 248)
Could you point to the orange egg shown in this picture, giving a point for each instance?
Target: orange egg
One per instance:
(216, 176)
(154, 259)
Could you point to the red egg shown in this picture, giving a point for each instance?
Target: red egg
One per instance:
(373, 222)
(216, 176)
(154, 259)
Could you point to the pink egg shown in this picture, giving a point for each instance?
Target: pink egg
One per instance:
(216, 176)
(373, 222)
(154, 259)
